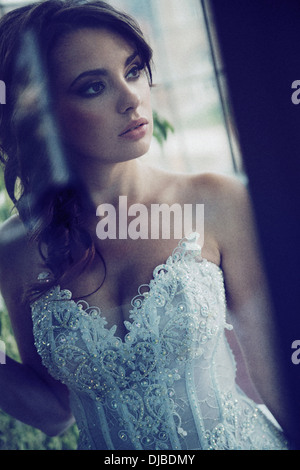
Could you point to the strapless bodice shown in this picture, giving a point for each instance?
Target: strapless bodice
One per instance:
(170, 382)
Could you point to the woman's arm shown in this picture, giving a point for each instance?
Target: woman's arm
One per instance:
(28, 392)
(248, 298)
(28, 397)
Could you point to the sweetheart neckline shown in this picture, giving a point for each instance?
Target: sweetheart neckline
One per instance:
(84, 306)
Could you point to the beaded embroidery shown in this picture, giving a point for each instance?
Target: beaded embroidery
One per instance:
(170, 384)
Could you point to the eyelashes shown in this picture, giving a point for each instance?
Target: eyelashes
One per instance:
(97, 87)
(136, 70)
(91, 89)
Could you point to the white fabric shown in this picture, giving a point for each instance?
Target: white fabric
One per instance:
(170, 384)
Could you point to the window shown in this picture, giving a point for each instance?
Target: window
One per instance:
(187, 91)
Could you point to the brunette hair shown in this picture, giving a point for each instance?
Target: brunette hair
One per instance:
(55, 224)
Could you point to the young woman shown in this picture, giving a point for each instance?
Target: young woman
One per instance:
(126, 334)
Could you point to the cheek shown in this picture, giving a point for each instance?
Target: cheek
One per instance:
(81, 127)
(147, 96)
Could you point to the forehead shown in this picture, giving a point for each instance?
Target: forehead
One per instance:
(89, 48)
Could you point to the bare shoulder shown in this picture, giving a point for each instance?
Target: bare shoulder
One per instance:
(221, 189)
(204, 187)
(222, 195)
(192, 188)
(227, 210)
(226, 198)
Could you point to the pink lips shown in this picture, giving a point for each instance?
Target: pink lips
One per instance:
(135, 129)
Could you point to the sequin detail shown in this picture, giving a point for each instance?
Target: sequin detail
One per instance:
(170, 384)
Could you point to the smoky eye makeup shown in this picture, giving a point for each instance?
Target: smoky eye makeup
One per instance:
(97, 87)
(135, 71)
(94, 80)
(91, 89)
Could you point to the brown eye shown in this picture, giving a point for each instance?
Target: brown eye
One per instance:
(135, 71)
(92, 89)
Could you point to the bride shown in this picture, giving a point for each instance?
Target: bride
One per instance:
(124, 334)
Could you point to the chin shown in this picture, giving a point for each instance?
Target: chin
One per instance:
(135, 150)
(125, 152)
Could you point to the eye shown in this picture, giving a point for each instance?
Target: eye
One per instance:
(92, 89)
(135, 71)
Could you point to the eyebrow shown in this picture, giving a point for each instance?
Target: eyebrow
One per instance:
(102, 71)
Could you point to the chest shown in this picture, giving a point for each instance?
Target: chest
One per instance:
(116, 274)
(119, 271)
(184, 298)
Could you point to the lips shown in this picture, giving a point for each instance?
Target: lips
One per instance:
(134, 125)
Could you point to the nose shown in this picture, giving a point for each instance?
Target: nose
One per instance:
(129, 98)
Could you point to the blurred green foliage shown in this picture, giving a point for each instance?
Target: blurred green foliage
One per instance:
(161, 128)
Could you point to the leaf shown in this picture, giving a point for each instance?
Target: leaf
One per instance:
(161, 128)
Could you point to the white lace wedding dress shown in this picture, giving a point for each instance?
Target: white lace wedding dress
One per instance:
(170, 384)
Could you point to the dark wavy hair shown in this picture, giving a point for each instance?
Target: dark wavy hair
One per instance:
(48, 203)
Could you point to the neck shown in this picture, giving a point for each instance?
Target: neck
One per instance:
(106, 182)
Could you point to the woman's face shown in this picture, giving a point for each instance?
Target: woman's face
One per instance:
(102, 96)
